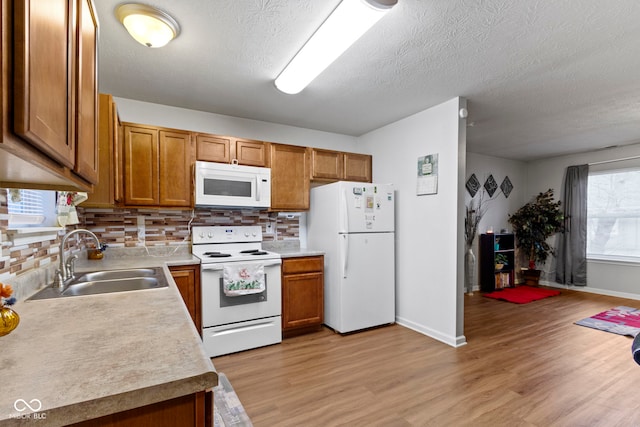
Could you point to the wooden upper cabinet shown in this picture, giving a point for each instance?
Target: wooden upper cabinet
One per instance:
(357, 167)
(175, 168)
(157, 167)
(328, 165)
(251, 153)
(43, 77)
(108, 191)
(212, 148)
(55, 101)
(224, 149)
(87, 162)
(289, 177)
(141, 166)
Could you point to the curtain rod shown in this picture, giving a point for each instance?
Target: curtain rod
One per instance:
(612, 161)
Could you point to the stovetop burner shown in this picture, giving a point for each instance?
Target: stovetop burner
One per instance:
(225, 244)
(216, 254)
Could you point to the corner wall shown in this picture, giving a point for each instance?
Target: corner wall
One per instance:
(429, 243)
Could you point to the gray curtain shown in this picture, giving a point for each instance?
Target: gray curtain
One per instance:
(572, 244)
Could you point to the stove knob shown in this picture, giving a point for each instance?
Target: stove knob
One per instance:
(201, 235)
(246, 234)
(210, 235)
(254, 234)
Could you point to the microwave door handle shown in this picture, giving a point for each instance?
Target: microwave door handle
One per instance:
(258, 187)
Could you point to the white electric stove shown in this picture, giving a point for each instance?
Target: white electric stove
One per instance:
(232, 323)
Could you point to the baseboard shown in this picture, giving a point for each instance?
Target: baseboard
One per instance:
(591, 290)
(458, 341)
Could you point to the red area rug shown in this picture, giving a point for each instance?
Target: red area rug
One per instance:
(522, 294)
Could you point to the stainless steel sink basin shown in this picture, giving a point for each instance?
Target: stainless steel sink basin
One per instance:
(107, 281)
(117, 274)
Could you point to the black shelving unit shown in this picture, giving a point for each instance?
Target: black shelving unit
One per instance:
(490, 245)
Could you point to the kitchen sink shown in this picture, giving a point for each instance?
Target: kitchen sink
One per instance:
(107, 281)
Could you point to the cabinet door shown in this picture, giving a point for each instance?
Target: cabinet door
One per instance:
(175, 168)
(103, 194)
(251, 153)
(188, 280)
(302, 300)
(357, 167)
(141, 166)
(87, 93)
(211, 148)
(326, 164)
(289, 177)
(43, 113)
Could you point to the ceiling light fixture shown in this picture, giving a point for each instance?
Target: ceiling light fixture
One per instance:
(350, 20)
(148, 25)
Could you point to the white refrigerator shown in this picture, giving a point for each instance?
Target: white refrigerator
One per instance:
(353, 223)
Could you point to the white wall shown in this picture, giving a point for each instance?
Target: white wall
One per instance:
(498, 207)
(140, 112)
(429, 243)
(609, 278)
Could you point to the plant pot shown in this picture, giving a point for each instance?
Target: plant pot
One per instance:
(531, 277)
(499, 267)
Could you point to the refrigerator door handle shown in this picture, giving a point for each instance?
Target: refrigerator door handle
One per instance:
(344, 227)
(345, 255)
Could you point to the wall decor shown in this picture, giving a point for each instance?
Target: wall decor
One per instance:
(490, 185)
(427, 175)
(506, 186)
(473, 185)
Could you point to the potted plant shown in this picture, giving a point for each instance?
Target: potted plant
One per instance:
(500, 261)
(533, 224)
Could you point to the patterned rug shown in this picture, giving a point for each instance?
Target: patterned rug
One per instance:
(227, 409)
(618, 320)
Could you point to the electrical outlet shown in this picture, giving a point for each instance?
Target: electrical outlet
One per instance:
(141, 231)
(268, 229)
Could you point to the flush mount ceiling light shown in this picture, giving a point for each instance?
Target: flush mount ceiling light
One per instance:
(350, 20)
(148, 25)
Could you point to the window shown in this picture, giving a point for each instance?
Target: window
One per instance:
(613, 215)
(31, 208)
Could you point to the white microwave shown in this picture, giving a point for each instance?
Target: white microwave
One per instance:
(232, 186)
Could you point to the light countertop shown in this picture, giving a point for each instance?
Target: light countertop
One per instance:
(87, 356)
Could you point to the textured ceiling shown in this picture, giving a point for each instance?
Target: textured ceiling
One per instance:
(542, 78)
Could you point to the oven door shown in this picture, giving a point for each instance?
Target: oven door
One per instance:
(219, 309)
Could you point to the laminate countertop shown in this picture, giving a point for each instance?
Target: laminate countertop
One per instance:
(78, 358)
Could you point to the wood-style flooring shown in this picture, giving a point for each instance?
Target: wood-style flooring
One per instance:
(523, 365)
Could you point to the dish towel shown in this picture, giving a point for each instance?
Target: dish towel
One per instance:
(243, 279)
(66, 207)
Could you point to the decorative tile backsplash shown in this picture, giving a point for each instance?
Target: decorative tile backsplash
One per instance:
(119, 228)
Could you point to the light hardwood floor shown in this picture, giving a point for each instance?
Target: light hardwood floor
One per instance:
(523, 365)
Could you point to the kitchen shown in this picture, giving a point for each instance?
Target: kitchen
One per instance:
(439, 313)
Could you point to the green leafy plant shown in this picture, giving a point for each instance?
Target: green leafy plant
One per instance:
(534, 223)
(501, 259)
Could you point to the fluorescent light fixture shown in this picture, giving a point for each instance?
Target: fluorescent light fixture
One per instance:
(147, 25)
(350, 20)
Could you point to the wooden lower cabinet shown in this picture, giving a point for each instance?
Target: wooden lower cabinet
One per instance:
(187, 278)
(193, 410)
(302, 295)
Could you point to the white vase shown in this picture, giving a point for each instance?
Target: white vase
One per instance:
(469, 271)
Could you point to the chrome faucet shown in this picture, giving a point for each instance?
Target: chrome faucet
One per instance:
(65, 270)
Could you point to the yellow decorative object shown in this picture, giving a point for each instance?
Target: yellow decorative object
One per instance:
(9, 320)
